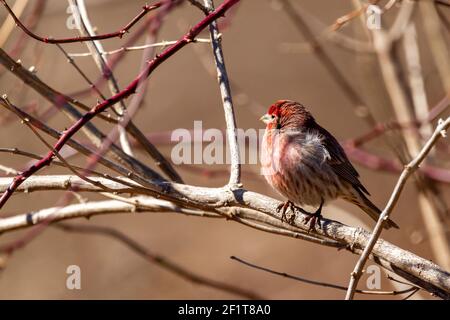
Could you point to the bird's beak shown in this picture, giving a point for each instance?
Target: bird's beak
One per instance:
(266, 118)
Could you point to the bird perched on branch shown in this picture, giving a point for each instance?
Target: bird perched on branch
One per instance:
(306, 164)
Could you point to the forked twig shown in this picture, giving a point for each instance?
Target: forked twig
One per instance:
(118, 34)
(384, 216)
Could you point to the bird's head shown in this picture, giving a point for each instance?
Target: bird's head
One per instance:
(287, 114)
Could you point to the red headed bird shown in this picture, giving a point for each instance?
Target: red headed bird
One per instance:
(307, 165)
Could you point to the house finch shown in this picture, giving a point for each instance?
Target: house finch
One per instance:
(306, 164)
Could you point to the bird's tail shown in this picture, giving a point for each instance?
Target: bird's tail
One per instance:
(372, 210)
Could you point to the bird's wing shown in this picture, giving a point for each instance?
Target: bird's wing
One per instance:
(339, 162)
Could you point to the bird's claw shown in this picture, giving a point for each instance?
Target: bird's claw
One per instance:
(313, 219)
(283, 207)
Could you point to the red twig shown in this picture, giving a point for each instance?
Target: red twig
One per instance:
(376, 162)
(118, 34)
(440, 107)
(130, 89)
(31, 21)
(381, 128)
(114, 60)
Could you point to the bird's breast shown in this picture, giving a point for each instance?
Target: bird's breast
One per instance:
(295, 164)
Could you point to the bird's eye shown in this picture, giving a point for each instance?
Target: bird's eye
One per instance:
(273, 116)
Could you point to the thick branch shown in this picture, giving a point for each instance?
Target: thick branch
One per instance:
(405, 264)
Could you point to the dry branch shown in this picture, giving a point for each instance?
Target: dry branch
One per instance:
(159, 260)
(130, 89)
(227, 101)
(384, 216)
(235, 204)
(149, 192)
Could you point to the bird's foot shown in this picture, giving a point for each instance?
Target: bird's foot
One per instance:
(314, 219)
(283, 209)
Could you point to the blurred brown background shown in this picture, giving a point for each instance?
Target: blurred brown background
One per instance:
(180, 92)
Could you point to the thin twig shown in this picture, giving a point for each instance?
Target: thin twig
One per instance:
(31, 22)
(411, 294)
(85, 28)
(132, 187)
(206, 9)
(126, 114)
(432, 204)
(65, 102)
(118, 34)
(227, 101)
(81, 72)
(26, 121)
(158, 259)
(338, 76)
(134, 175)
(384, 216)
(436, 41)
(130, 89)
(162, 44)
(9, 170)
(324, 284)
(8, 26)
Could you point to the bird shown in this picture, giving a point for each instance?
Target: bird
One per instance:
(307, 165)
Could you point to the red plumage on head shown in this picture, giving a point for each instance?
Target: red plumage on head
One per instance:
(290, 114)
(275, 109)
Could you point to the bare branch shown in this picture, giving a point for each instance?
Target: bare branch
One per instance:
(384, 216)
(233, 203)
(125, 114)
(338, 76)
(324, 284)
(432, 205)
(205, 8)
(130, 89)
(162, 44)
(117, 34)
(62, 101)
(8, 26)
(158, 259)
(436, 41)
(136, 175)
(227, 101)
(96, 48)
